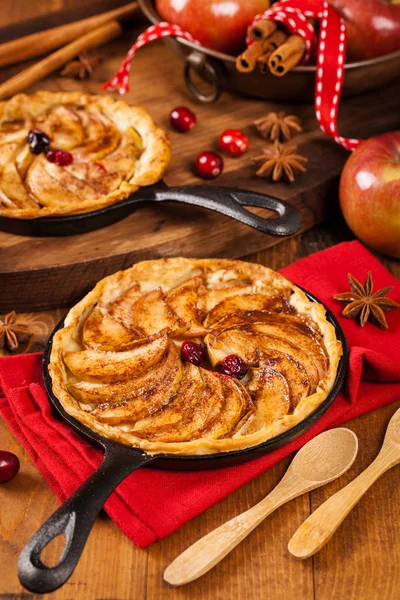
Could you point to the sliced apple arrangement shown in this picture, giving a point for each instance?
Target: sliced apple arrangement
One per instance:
(65, 153)
(192, 356)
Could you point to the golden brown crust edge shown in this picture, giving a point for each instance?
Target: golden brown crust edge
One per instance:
(114, 284)
(149, 168)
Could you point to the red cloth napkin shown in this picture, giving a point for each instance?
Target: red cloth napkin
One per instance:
(150, 504)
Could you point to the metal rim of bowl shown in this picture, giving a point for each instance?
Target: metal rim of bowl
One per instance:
(150, 12)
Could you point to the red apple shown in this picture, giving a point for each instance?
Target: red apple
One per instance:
(373, 27)
(217, 24)
(370, 193)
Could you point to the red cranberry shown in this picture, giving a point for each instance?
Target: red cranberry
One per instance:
(182, 119)
(62, 158)
(193, 352)
(9, 466)
(234, 142)
(234, 366)
(209, 165)
(38, 141)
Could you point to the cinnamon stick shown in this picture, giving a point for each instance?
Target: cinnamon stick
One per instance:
(53, 62)
(275, 40)
(37, 44)
(260, 30)
(246, 62)
(262, 62)
(287, 56)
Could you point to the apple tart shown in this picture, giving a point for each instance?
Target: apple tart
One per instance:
(64, 153)
(149, 357)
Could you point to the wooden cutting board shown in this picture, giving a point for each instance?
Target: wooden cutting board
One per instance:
(41, 273)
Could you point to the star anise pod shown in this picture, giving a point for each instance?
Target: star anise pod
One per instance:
(364, 305)
(278, 126)
(12, 333)
(82, 67)
(280, 161)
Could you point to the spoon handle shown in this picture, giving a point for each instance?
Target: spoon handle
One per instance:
(319, 527)
(209, 550)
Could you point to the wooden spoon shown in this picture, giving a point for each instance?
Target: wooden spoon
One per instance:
(320, 461)
(322, 524)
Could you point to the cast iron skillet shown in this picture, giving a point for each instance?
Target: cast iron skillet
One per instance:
(225, 200)
(76, 516)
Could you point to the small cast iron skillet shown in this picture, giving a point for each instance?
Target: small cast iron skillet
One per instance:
(76, 516)
(225, 200)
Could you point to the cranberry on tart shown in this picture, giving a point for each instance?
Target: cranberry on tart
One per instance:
(194, 356)
(64, 153)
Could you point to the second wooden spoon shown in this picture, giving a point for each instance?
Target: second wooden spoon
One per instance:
(313, 534)
(320, 461)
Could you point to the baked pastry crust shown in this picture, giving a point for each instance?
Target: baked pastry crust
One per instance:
(292, 369)
(116, 150)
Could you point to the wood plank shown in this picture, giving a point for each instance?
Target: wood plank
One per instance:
(361, 559)
(38, 273)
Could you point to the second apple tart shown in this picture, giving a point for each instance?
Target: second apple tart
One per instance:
(66, 153)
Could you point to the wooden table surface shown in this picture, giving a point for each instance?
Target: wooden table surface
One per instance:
(361, 562)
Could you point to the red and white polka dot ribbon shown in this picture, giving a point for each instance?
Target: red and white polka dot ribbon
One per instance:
(294, 14)
(120, 81)
(331, 54)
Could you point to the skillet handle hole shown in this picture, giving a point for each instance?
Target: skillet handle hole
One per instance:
(51, 554)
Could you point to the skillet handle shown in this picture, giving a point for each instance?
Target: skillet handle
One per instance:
(231, 202)
(74, 519)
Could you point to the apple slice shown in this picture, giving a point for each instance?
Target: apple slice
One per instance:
(102, 332)
(190, 412)
(272, 400)
(227, 414)
(15, 136)
(64, 127)
(152, 315)
(122, 309)
(182, 416)
(232, 307)
(293, 372)
(299, 334)
(23, 161)
(282, 325)
(107, 174)
(137, 397)
(149, 396)
(102, 138)
(13, 187)
(212, 297)
(56, 186)
(253, 347)
(66, 180)
(183, 301)
(7, 151)
(95, 174)
(48, 189)
(111, 367)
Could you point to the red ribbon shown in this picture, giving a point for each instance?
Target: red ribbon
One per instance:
(331, 55)
(294, 14)
(120, 81)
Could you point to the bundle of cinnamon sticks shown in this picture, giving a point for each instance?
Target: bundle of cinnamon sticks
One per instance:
(272, 49)
(68, 40)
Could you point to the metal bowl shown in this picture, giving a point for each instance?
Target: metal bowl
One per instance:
(219, 71)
